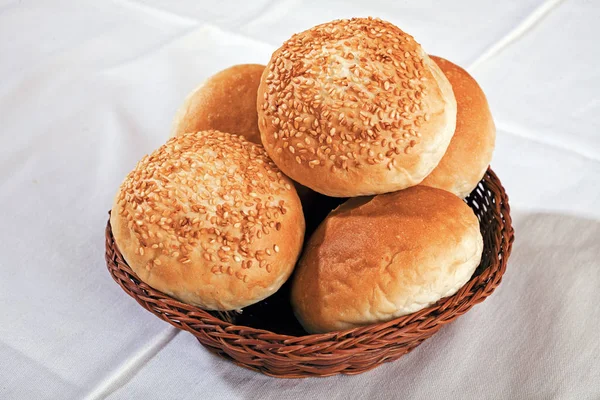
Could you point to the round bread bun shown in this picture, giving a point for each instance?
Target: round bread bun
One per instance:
(226, 102)
(470, 150)
(210, 220)
(355, 107)
(374, 259)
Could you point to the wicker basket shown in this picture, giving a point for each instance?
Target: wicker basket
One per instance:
(265, 337)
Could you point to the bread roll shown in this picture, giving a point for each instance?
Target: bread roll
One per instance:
(210, 220)
(377, 258)
(225, 102)
(470, 150)
(355, 107)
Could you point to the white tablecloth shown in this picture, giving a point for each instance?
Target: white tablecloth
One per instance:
(88, 87)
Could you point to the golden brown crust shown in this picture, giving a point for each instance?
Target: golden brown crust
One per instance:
(470, 150)
(377, 258)
(355, 107)
(209, 219)
(225, 102)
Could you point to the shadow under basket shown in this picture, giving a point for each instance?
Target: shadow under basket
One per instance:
(267, 338)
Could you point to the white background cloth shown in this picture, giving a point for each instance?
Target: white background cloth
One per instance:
(88, 87)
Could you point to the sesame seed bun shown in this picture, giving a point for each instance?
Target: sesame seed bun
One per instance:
(470, 150)
(226, 102)
(210, 220)
(377, 258)
(355, 107)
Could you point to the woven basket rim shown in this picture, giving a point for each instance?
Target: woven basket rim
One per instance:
(400, 323)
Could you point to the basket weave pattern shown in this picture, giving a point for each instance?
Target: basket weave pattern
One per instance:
(348, 352)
